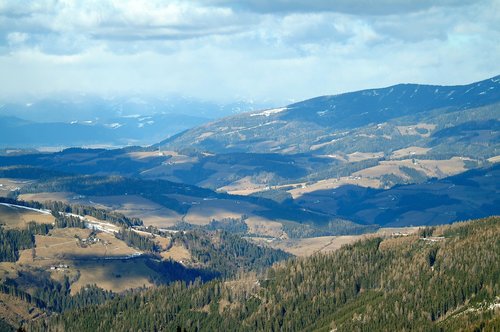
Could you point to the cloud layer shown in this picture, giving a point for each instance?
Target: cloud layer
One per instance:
(223, 50)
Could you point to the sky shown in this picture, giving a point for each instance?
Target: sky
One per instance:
(227, 50)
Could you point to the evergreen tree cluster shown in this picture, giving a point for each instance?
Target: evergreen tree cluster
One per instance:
(101, 214)
(56, 296)
(63, 221)
(6, 327)
(138, 241)
(39, 229)
(13, 240)
(333, 227)
(28, 172)
(52, 296)
(230, 225)
(226, 253)
(373, 285)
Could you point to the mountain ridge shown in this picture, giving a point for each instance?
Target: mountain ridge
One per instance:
(322, 119)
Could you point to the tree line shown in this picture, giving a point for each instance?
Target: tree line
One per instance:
(82, 210)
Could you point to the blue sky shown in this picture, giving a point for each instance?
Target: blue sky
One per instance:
(222, 50)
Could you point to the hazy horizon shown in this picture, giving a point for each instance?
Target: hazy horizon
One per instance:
(226, 51)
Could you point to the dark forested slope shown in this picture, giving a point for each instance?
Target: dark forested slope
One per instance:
(447, 280)
(472, 194)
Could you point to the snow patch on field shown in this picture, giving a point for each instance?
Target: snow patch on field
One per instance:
(25, 208)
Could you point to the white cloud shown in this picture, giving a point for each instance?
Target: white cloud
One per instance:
(221, 50)
(15, 38)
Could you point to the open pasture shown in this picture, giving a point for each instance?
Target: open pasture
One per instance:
(18, 217)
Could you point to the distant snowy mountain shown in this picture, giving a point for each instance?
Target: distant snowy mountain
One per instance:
(81, 120)
(67, 108)
(140, 130)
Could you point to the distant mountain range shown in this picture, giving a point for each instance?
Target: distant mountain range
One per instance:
(65, 121)
(365, 157)
(113, 132)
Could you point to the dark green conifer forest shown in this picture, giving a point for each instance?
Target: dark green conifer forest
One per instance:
(447, 280)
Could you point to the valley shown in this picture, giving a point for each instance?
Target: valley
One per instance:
(200, 175)
(240, 166)
(236, 202)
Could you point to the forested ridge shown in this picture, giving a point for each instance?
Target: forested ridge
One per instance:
(446, 278)
(214, 254)
(226, 254)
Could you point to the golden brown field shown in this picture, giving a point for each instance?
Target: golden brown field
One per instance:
(495, 159)
(431, 168)
(409, 151)
(360, 156)
(257, 225)
(178, 253)
(116, 275)
(335, 183)
(62, 244)
(413, 129)
(207, 209)
(308, 246)
(14, 217)
(65, 197)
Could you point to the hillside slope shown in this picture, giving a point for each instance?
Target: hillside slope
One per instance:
(166, 204)
(389, 118)
(472, 194)
(55, 257)
(301, 155)
(447, 279)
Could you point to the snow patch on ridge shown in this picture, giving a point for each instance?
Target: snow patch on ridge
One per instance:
(269, 112)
